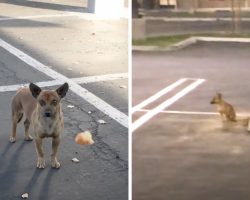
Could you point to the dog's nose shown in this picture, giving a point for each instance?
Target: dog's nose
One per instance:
(211, 102)
(47, 114)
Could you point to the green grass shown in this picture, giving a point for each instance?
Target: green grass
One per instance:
(163, 41)
(166, 41)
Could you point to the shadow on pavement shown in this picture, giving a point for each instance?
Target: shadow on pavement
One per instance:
(6, 149)
(25, 23)
(45, 5)
(8, 176)
(29, 187)
(46, 186)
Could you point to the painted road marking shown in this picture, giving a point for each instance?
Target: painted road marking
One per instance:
(81, 80)
(76, 88)
(191, 112)
(165, 104)
(158, 95)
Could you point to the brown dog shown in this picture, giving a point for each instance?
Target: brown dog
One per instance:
(43, 111)
(225, 109)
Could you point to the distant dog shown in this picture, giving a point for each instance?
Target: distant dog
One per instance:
(225, 109)
(42, 110)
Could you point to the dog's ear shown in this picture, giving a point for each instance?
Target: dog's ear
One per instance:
(35, 90)
(61, 91)
(219, 95)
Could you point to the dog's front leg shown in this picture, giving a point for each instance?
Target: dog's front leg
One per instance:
(40, 154)
(55, 144)
(222, 116)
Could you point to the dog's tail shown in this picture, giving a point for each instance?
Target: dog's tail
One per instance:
(232, 118)
(243, 122)
(20, 117)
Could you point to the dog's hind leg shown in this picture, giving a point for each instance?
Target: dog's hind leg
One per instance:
(16, 118)
(26, 130)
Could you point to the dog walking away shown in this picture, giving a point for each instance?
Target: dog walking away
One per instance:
(42, 111)
(225, 109)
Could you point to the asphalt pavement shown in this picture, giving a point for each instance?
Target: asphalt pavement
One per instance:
(75, 44)
(184, 151)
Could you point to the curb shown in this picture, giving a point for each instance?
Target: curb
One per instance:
(193, 19)
(188, 42)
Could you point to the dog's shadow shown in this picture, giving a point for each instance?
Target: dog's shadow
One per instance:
(46, 185)
(8, 176)
(10, 168)
(5, 151)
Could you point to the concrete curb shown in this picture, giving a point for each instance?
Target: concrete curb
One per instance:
(222, 39)
(189, 41)
(193, 19)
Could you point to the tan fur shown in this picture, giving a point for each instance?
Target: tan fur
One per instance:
(42, 110)
(225, 109)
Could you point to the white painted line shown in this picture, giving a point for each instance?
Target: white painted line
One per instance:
(165, 104)
(181, 112)
(191, 112)
(37, 16)
(81, 80)
(158, 95)
(99, 78)
(76, 88)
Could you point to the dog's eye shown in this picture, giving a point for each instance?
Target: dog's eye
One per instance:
(42, 102)
(54, 102)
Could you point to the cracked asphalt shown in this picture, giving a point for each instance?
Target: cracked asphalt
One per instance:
(75, 46)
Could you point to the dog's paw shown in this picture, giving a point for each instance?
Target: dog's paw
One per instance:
(29, 138)
(55, 163)
(12, 139)
(40, 163)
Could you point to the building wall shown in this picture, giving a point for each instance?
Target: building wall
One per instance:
(186, 4)
(189, 4)
(126, 3)
(214, 3)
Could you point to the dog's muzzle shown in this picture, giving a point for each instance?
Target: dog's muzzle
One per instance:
(47, 114)
(211, 102)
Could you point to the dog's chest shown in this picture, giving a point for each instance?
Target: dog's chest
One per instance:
(219, 108)
(48, 128)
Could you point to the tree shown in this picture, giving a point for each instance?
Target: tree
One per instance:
(135, 9)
